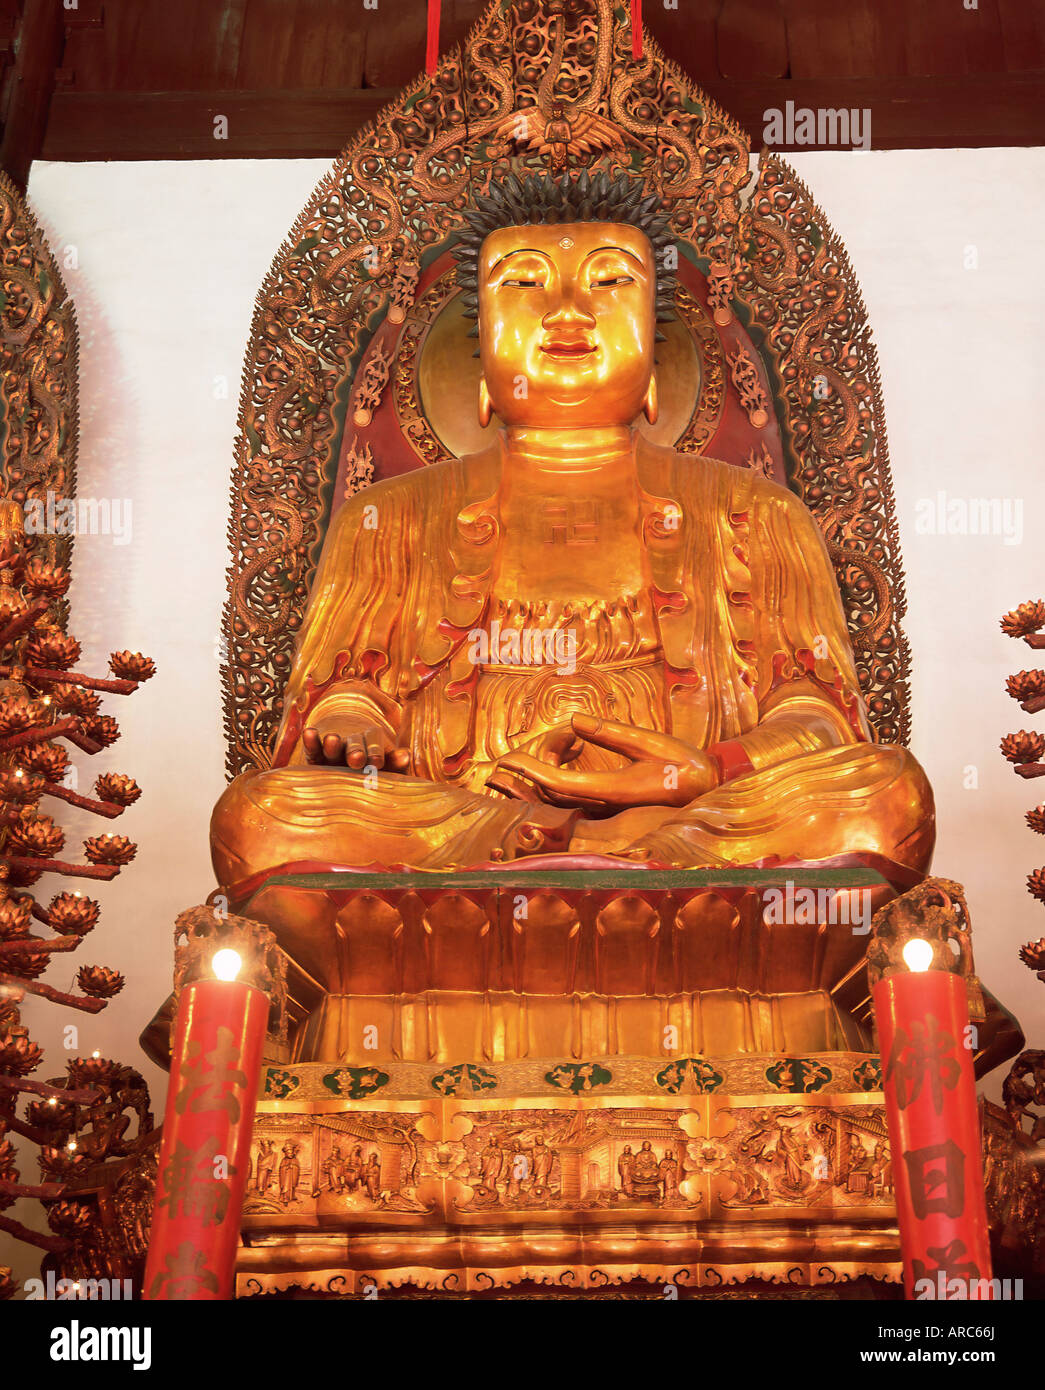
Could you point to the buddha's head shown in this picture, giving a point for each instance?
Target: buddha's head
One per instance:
(567, 279)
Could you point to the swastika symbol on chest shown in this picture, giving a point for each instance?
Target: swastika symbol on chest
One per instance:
(570, 523)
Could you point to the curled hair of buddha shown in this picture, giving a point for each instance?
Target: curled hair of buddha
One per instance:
(539, 199)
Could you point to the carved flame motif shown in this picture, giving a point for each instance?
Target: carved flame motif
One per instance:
(748, 387)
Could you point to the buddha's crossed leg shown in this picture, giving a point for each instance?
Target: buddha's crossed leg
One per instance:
(862, 798)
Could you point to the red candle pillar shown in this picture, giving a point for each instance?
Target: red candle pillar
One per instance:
(219, 1036)
(934, 1131)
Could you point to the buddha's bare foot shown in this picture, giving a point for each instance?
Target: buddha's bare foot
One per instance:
(617, 834)
(354, 744)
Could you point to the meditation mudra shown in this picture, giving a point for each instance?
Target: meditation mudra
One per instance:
(573, 641)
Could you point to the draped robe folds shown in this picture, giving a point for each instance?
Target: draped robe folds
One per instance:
(752, 637)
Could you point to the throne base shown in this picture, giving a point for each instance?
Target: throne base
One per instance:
(699, 1173)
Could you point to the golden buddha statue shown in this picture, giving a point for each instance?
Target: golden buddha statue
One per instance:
(573, 641)
(568, 647)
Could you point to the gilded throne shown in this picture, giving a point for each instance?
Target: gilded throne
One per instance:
(578, 941)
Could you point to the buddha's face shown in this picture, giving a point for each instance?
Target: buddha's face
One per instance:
(567, 323)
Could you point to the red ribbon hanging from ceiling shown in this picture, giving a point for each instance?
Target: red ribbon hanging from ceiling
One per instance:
(636, 28)
(432, 51)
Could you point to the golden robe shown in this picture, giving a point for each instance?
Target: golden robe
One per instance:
(736, 633)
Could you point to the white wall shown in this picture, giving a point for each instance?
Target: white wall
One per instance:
(163, 261)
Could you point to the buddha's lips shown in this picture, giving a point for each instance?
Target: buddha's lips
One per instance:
(569, 350)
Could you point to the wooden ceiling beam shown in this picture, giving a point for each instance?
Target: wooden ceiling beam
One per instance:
(906, 113)
(185, 125)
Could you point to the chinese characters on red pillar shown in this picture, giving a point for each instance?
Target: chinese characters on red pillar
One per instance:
(215, 1065)
(930, 1097)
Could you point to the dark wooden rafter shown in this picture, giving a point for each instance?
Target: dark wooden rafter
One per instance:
(906, 113)
(33, 38)
(37, 40)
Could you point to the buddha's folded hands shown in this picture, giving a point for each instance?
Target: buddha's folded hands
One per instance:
(662, 770)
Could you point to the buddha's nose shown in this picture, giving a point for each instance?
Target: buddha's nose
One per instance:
(568, 313)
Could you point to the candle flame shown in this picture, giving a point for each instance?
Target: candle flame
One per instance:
(918, 955)
(226, 964)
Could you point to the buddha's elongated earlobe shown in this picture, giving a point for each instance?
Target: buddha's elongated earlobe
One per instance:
(650, 406)
(485, 403)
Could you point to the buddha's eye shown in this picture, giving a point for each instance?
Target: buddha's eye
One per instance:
(605, 281)
(521, 284)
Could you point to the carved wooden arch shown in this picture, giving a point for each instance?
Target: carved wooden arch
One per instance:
(329, 399)
(39, 424)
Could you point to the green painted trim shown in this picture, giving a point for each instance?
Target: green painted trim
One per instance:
(566, 879)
